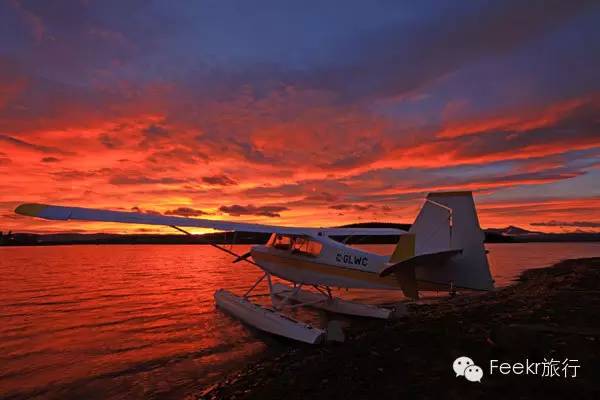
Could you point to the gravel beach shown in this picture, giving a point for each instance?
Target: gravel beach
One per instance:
(551, 316)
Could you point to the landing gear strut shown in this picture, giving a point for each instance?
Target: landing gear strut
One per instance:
(452, 291)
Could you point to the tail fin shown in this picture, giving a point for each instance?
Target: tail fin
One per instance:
(448, 221)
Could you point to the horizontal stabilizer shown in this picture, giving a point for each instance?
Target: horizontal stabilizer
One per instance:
(430, 259)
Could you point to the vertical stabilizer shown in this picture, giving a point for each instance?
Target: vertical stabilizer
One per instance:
(448, 220)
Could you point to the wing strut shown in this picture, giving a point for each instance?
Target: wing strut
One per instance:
(238, 257)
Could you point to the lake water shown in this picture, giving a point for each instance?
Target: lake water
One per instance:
(123, 322)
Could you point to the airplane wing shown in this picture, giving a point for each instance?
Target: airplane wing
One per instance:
(63, 213)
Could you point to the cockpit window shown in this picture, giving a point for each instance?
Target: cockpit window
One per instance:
(282, 242)
(299, 245)
(312, 248)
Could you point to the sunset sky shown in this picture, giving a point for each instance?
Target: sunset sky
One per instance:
(301, 113)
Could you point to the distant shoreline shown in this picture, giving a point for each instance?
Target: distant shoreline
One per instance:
(506, 235)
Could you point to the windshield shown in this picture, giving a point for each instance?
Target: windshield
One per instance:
(299, 245)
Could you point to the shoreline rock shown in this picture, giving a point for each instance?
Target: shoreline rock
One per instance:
(550, 313)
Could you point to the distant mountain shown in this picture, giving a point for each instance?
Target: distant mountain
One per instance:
(514, 234)
(512, 230)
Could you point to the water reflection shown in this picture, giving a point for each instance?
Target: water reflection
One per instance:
(139, 321)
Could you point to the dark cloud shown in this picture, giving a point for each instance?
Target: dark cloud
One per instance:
(580, 224)
(110, 141)
(252, 153)
(178, 154)
(235, 145)
(155, 131)
(153, 134)
(143, 180)
(50, 159)
(73, 174)
(186, 212)
(355, 207)
(144, 211)
(361, 152)
(265, 211)
(219, 180)
(322, 197)
(31, 146)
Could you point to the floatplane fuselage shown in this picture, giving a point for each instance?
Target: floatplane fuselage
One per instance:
(442, 250)
(321, 261)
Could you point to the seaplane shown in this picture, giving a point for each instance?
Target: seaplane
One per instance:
(442, 250)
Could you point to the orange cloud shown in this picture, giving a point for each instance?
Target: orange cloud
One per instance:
(515, 120)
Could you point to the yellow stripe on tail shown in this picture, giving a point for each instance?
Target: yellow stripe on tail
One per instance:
(405, 248)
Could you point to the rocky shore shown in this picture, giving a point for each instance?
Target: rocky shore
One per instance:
(551, 315)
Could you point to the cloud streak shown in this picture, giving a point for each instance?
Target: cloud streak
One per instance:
(186, 212)
(143, 180)
(22, 144)
(264, 211)
(219, 180)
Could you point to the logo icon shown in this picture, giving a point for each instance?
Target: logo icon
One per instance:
(464, 366)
